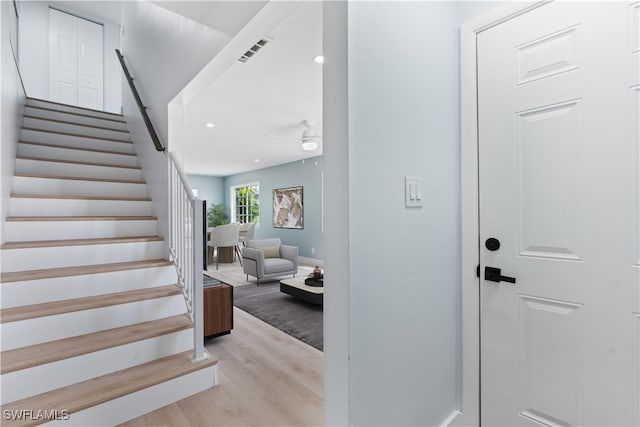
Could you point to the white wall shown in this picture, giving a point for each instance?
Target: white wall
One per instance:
(154, 164)
(164, 51)
(34, 53)
(112, 69)
(11, 102)
(405, 262)
(34, 48)
(468, 10)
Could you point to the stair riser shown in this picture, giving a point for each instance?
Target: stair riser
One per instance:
(72, 256)
(70, 117)
(48, 125)
(29, 292)
(72, 187)
(73, 207)
(75, 141)
(133, 405)
(40, 379)
(50, 328)
(71, 109)
(76, 170)
(56, 153)
(29, 231)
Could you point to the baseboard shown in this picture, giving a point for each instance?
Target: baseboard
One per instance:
(310, 261)
(449, 421)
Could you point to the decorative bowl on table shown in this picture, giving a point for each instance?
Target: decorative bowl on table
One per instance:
(311, 280)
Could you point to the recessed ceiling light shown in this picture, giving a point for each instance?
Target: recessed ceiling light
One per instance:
(210, 125)
(309, 145)
(319, 59)
(256, 160)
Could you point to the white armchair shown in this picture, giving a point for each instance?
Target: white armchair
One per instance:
(269, 258)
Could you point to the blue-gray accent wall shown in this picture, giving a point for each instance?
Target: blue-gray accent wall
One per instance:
(306, 173)
(210, 188)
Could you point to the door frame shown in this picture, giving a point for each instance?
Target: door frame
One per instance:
(469, 397)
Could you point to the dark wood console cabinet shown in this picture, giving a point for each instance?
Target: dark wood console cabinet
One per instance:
(218, 310)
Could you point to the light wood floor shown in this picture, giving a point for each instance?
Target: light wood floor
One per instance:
(266, 378)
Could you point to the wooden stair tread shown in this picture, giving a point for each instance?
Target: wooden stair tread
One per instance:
(101, 138)
(77, 162)
(79, 178)
(14, 314)
(70, 147)
(79, 242)
(72, 106)
(75, 113)
(83, 395)
(81, 218)
(73, 197)
(49, 273)
(74, 123)
(40, 354)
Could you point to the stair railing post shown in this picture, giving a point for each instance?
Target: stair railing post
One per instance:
(197, 292)
(186, 249)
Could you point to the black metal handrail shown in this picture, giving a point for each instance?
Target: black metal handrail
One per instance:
(143, 109)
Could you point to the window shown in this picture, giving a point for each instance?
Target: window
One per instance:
(245, 203)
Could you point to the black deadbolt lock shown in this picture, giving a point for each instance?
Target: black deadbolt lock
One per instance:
(492, 244)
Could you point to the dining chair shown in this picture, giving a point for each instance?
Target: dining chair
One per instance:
(225, 236)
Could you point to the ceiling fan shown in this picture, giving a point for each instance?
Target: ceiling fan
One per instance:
(308, 139)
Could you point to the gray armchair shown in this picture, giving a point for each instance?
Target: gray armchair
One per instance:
(269, 258)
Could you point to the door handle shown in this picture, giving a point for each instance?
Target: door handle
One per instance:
(493, 274)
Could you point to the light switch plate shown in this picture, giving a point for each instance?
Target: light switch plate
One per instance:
(413, 191)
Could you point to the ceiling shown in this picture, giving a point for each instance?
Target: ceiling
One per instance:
(109, 11)
(225, 16)
(255, 105)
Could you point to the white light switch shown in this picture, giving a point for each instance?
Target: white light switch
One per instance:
(413, 191)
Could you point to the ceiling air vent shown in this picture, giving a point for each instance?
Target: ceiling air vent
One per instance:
(254, 49)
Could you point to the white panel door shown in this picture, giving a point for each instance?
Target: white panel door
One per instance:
(63, 62)
(75, 61)
(559, 158)
(90, 65)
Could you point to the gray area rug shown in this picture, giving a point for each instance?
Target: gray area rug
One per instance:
(297, 318)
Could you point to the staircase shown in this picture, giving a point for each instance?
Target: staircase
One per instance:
(94, 328)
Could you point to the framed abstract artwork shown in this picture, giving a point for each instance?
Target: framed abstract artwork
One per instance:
(288, 208)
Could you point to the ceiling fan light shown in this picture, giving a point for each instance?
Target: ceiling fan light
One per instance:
(309, 145)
